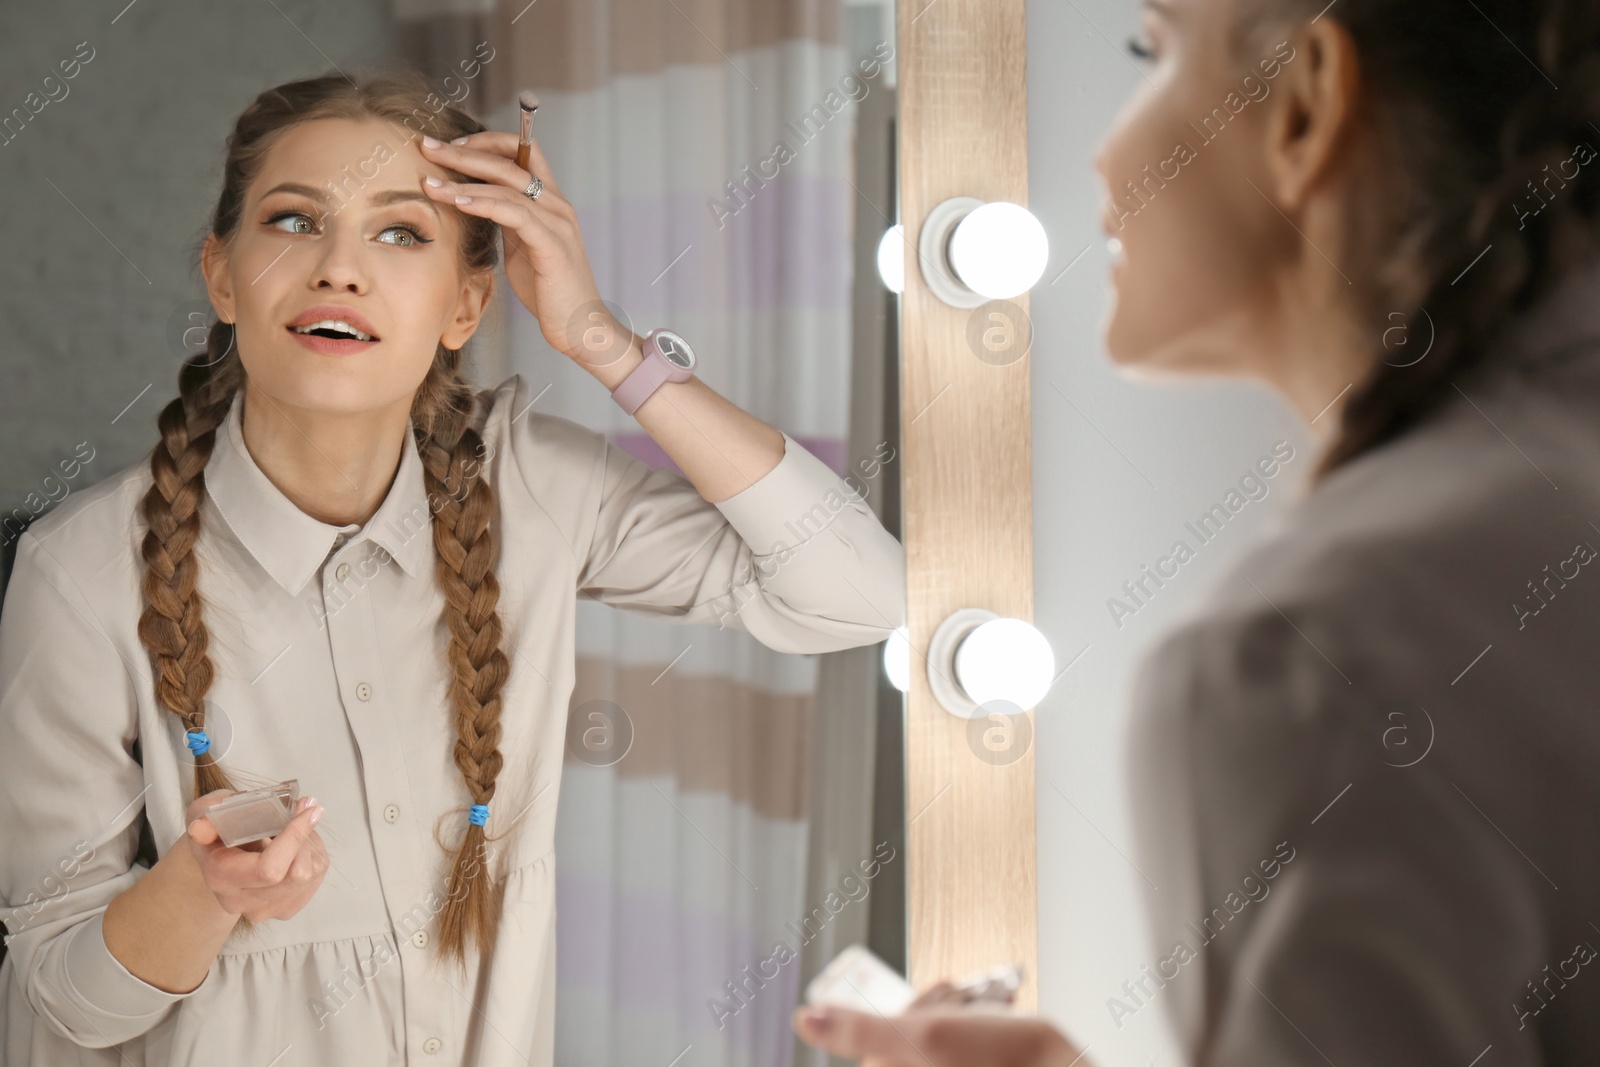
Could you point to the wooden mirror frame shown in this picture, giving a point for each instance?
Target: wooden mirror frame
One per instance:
(967, 495)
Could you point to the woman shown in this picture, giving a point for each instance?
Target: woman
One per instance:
(1363, 775)
(344, 565)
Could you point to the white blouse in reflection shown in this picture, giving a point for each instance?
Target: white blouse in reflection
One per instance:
(329, 647)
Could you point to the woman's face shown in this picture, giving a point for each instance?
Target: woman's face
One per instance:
(338, 216)
(1185, 171)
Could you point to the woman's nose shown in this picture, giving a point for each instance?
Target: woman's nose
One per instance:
(339, 265)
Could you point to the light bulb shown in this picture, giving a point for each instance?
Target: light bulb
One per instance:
(999, 250)
(892, 258)
(897, 659)
(1005, 659)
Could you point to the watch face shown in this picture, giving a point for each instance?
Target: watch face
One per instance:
(676, 349)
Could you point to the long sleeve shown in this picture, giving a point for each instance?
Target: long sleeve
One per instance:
(1317, 900)
(70, 804)
(796, 559)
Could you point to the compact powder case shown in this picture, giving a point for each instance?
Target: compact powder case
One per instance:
(255, 814)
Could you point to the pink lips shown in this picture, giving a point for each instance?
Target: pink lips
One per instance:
(318, 312)
(333, 346)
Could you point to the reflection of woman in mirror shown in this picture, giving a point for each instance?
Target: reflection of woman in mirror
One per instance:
(1363, 768)
(343, 564)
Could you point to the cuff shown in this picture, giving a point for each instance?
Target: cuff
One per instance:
(102, 984)
(790, 504)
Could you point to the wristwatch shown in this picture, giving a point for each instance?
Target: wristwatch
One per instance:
(667, 358)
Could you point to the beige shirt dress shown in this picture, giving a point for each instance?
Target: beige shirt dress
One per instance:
(329, 646)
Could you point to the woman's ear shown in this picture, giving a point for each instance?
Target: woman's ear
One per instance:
(476, 291)
(1310, 128)
(214, 265)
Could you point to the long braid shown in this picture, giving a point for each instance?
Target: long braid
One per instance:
(171, 626)
(464, 541)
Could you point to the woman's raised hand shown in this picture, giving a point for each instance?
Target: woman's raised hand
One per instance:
(261, 880)
(546, 263)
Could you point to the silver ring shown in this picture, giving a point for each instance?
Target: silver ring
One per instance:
(534, 188)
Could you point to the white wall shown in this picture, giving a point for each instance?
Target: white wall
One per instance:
(1118, 470)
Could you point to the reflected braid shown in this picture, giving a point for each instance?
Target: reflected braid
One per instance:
(172, 627)
(464, 543)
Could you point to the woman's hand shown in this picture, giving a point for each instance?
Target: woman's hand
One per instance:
(545, 259)
(260, 880)
(933, 1032)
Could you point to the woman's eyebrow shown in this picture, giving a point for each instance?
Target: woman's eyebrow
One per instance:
(392, 196)
(383, 198)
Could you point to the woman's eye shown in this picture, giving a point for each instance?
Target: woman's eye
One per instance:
(412, 234)
(296, 215)
(1140, 50)
(300, 222)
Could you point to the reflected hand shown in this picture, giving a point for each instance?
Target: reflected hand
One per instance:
(271, 879)
(545, 260)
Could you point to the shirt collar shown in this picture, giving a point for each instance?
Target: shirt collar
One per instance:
(291, 545)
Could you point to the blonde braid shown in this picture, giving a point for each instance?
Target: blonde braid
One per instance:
(463, 539)
(172, 627)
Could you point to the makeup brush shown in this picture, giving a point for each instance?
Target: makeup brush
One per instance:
(529, 104)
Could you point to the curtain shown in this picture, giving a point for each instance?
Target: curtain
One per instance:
(681, 865)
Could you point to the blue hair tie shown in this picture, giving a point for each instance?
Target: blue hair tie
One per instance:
(198, 741)
(478, 815)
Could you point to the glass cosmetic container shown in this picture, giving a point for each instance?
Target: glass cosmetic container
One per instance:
(255, 814)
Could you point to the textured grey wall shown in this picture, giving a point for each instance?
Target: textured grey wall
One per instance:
(105, 193)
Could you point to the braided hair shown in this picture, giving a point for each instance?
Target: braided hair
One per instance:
(172, 626)
(1479, 134)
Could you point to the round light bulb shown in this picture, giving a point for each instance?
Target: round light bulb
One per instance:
(892, 258)
(1005, 659)
(999, 250)
(897, 659)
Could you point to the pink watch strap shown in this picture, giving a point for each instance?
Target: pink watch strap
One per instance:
(656, 369)
(645, 379)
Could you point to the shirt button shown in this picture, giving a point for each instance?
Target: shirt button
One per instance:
(391, 813)
(433, 1044)
(342, 573)
(364, 691)
(420, 939)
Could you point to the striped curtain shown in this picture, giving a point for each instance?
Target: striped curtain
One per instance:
(680, 864)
